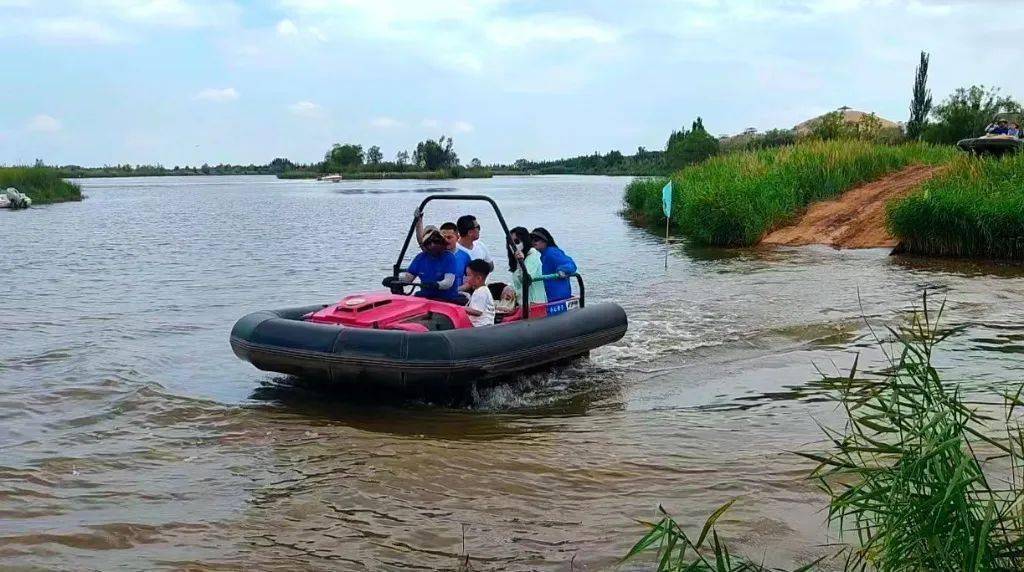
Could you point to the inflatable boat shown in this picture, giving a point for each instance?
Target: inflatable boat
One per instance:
(393, 340)
(994, 144)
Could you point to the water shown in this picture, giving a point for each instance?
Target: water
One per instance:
(131, 437)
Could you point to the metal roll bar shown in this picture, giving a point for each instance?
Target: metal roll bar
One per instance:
(509, 248)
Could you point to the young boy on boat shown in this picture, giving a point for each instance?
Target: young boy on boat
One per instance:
(481, 303)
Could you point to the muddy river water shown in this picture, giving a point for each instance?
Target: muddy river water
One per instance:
(132, 438)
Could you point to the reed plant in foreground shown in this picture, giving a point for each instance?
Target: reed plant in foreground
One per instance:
(920, 478)
(43, 184)
(735, 199)
(974, 208)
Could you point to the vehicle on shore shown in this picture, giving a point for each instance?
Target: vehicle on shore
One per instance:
(994, 144)
(399, 342)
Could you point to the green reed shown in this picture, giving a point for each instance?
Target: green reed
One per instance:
(920, 478)
(735, 199)
(974, 208)
(43, 184)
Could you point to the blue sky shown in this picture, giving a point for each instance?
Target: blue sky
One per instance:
(191, 81)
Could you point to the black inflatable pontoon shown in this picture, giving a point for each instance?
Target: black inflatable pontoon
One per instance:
(396, 341)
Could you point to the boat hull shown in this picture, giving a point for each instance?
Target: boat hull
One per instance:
(280, 341)
(990, 145)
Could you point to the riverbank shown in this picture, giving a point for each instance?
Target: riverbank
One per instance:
(855, 219)
(736, 199)
(41, 184)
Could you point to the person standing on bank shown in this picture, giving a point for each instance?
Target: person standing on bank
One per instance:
(469, 239)
(553, 261)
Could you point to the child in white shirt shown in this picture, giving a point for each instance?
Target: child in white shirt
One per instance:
(481, 303)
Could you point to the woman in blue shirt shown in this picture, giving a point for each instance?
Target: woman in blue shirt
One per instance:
(553, 261)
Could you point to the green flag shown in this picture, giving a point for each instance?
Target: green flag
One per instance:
(666, 199)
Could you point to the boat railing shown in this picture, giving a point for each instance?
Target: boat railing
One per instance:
(576, 275)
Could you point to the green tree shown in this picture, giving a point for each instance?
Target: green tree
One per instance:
(402, 158)
(374, 156)
(689, 147)
(830, 126)
(921, 103)
(343, 158)
(475, 163)
(432, 155)
(965, 113)
(279, 165)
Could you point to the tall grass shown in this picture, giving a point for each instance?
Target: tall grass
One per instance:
(975, 208)
(43, 184)
(919, 479)
(734, 199)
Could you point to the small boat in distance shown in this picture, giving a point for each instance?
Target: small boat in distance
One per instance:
(330, 178)
(399, 342)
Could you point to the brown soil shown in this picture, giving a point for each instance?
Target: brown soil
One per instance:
(857, 218)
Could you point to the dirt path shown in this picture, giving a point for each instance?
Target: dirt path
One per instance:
(856, 219)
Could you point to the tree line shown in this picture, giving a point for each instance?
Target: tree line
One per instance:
(962, 114)
(429, 155)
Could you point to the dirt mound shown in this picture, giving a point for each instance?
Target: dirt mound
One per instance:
(856, 219)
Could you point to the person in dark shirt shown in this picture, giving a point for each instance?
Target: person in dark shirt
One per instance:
(1000, 127)
(434, 268)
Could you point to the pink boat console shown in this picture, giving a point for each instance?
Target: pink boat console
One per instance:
(384, 311)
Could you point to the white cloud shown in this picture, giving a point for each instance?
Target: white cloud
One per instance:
(548, 28)
(463, 127)
(385, 122)
(169, 13)
(306, 109)
(217, 95)
(430, 123)
(43, 123)
(74, 31)
(287, 28)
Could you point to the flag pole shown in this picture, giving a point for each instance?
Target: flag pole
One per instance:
(666, 207)
(666, 242)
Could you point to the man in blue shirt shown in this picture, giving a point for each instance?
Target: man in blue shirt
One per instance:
(435, 268)
(450, 231)
(1000, 128)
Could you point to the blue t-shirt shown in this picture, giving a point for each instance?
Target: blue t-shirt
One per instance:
(432, 269)
(462, 260)
(553, 260)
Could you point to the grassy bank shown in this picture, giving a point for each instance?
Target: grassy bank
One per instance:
(734, 199)
(42, 184)
(919, 478)
(975, 208)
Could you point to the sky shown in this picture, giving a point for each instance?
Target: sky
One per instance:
(175, 82)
